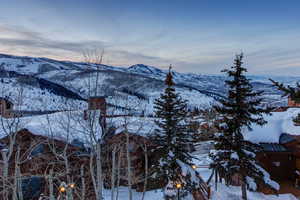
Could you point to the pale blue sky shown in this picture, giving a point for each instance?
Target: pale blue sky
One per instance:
(199, 36)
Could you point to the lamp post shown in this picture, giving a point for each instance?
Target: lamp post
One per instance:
(178, 186)
(64, 189)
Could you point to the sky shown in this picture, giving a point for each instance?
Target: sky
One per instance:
(198, 36)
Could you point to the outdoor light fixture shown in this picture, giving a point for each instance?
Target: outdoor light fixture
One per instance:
(178, 185)
(72, 185)
(62, 189)
(194, 166)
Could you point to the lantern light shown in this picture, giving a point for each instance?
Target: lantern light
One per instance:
(178, 185)
(194, 166)
(62, 189)
(72, 185)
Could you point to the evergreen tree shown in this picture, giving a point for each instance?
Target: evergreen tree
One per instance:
(293, 92)
(234, 155)
(172, 137)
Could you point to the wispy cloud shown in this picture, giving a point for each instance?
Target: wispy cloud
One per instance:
(211, 57)
(18, 40)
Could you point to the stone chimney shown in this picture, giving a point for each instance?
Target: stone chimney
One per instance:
(98, 103)
(293, 103)
(6, 107)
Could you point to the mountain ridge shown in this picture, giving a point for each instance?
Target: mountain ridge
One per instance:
(137, 81)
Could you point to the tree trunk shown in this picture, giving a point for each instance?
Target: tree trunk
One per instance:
(113, 173)
(51, 190)
(17, 189)
(19, 178)
(99, 171)
(244, 190)
(5, 176)
(83, 190)
(92, 171)
(146, 171)
(216, 179)
(118, 172)
(69, 180)
(128, 168)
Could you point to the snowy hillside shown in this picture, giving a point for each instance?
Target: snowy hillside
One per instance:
(29, 98)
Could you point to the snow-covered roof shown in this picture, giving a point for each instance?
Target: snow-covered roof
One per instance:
(70, 125)
(278, 123)
(273, 147)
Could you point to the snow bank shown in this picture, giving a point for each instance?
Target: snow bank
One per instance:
(223, 193)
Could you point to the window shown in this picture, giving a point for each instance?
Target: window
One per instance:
(32, 187)
(37, 150)
(8, 105)
(276, 164)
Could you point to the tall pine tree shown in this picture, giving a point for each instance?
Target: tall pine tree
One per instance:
(242, 108)
(172, 137)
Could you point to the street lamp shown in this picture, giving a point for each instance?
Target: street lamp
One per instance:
(62, 189)
(65, 189)
(178, 186)
(194, 166)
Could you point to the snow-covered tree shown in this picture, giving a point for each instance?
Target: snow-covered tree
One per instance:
(233, 155)
(173, 136)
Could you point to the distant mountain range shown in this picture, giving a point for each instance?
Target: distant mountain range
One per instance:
(136, 86)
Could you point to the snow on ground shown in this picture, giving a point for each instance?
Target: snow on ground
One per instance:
(278, 123)
(123, 194)
(222, 193)
(234, 193)
(230, 193)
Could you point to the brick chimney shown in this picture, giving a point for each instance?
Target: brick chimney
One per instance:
(98, 103)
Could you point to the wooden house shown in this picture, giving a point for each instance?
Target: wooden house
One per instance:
(37, 160)
(139, 149)
(292, 142)
(281, 160)
(276, 158)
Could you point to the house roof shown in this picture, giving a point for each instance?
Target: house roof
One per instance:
(286, 138)
(5, 99)
(273, 147)
(70, 125)
(97, 97)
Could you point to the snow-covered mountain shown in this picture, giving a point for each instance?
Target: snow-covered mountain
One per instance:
(136, 86)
